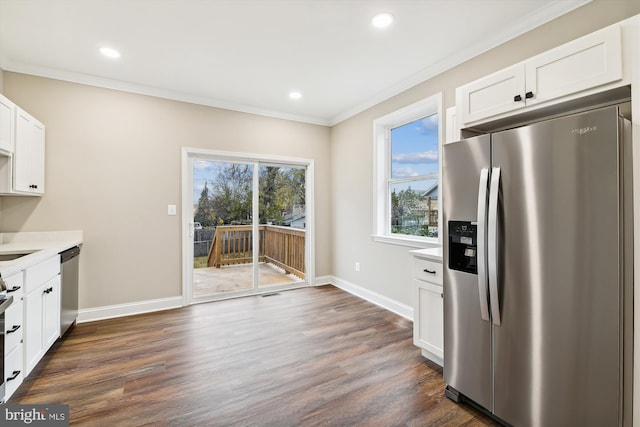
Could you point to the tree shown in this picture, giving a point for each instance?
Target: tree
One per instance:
(228, 198)
(406, 215)
(281, 190)
(204, 211)
(270, 207)
(231, 200)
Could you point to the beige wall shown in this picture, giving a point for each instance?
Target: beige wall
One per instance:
(113, 164)
(386, 269)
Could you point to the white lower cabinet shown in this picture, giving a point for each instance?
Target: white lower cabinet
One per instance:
(32, 321)
(428, 316)
(42, 320)
(42, 310)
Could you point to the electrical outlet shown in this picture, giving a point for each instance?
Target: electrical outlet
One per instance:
(357, 266)
(171, 210)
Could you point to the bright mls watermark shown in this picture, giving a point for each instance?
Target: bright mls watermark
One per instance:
(34, 415)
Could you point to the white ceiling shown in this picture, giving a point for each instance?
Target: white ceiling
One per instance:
(247, 55)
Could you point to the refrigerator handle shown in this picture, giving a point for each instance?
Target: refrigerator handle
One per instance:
(482, 244)
(492, 245)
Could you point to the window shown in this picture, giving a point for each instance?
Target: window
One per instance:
(407, 174)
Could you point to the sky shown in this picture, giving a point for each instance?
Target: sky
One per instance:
(414, 148)
(414, 152)
(203, 171)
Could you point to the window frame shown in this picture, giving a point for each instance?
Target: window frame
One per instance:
(382, 170)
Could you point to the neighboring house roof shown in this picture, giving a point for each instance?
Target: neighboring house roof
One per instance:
(299, 219)
(432, 191)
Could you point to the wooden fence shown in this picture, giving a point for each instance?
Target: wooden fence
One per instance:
(281, 246)
(202, 240)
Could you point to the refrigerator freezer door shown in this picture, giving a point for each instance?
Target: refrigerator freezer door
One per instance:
(557, 352)
(467, 337)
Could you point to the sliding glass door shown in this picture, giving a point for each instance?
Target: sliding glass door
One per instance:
(282, 224)
(222, 227)
(246, 226)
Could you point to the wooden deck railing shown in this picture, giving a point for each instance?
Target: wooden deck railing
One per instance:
(281, 246)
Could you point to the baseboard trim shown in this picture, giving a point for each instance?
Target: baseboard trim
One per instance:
(323, 280)
(374, 297)
(128, 309)
(120, 310)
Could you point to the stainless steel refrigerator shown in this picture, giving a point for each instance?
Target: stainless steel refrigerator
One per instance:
(537, 281)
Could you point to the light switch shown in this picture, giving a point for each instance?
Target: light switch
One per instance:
(171, 210)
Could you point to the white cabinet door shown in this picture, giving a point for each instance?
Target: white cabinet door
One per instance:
(21, 168)
(7, 123)
(492, 95)
(42, 309)
(28, 172)
(37, 158)
(428, 328)
(588, 62)
(51, 314)
(33, 341)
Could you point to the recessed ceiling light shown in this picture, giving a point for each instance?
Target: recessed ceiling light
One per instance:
(110, 53)
(382, 20)
(295, 95)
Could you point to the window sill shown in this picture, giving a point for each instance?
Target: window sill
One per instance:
(429, 242)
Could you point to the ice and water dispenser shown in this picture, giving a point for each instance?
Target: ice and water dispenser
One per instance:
(463, 246)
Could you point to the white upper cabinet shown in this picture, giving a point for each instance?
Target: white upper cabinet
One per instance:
(7, 125)
(492, 95)
(583, 66)
(22, 169)
(28, 170)
(590, 61)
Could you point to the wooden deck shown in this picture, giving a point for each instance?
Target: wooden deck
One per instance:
(211, 281)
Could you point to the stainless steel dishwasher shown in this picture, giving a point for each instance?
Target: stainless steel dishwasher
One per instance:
(70, 260)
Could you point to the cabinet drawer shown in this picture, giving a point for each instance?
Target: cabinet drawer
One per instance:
(13, 326)
(13, 372)
(15, 285)
(40, 273)
(424, 269)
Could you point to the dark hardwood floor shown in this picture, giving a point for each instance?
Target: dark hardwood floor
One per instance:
(306, 357)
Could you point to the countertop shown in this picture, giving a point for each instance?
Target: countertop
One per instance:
(433, 254)
(39, 245)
